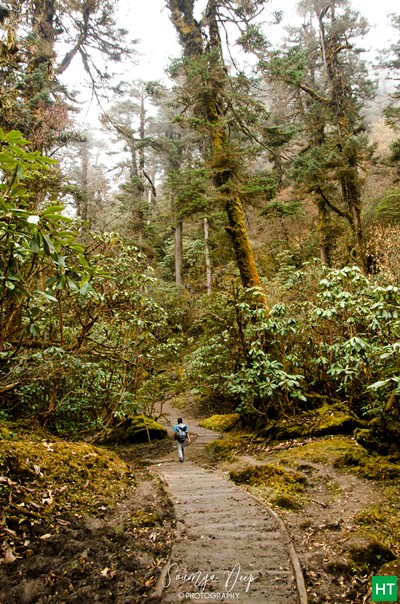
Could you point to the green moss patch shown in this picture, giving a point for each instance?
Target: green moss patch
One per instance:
(324, 450)
(134, 429)
(333, 418)
(273, 484)
(43, 482)
(382, 519)
(344, 454)
(142, 519)
(227, 448)
(221, 423)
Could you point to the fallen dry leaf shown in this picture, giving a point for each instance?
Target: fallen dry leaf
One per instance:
(46, 536)
(37, 470)
(9, 557)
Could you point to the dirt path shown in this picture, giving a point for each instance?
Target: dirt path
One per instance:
(229, 547)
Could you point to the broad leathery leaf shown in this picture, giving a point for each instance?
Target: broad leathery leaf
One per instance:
(45, 295)
(85, 288)
(48, 244)
(71, 284)
(52, 210)
(61, 282)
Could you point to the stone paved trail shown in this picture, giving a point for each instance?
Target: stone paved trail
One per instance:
(229, 547)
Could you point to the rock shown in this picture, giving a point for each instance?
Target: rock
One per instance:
(286, 502)
(134, 429)
(333, 418)
(380, 440)
(221, 423)
(368, 551)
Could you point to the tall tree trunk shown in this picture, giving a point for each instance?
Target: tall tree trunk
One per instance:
(84, 203)
(178, 252)
(323, 232)
(349, 178)
(223, 162)
(208, 256)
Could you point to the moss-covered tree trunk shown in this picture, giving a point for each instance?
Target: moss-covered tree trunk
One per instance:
(211, 108)
(178, 252)
(343, 107)
(208, 255)
(323, 234)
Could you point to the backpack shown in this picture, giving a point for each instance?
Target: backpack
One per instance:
(181, 435)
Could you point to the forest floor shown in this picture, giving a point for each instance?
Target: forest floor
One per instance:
(118, 549)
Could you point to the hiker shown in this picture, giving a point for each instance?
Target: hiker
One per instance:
(182, 437)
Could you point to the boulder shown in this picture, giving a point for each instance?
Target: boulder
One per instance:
(333, 418)
(134, 429)
(221, 423)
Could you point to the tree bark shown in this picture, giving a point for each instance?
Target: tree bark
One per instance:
(349, 178)
(208, 256)
(211, 107)
(84, 203)
(178, 252)
(323, 232)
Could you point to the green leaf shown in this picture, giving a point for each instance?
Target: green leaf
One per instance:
(48, 244)
(83, 261)
(53, 210)
(85, 288)
(77, 247)
(34, 312)
(34, 330)
(61, 282)
(45, 295)
(71, 284)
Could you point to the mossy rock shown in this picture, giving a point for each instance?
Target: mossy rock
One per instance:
(378, 440)
(286, 502)
(274, 484)
(368, 552)
(390, 569)
(259, 474)
(222, 449)
(221, 423)
(134, 429)
(328, 419)
(373, 467)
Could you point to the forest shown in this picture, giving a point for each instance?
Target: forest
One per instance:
(227, 243)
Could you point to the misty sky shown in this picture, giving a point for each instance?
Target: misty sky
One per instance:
(148, 21)
(151, 24)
